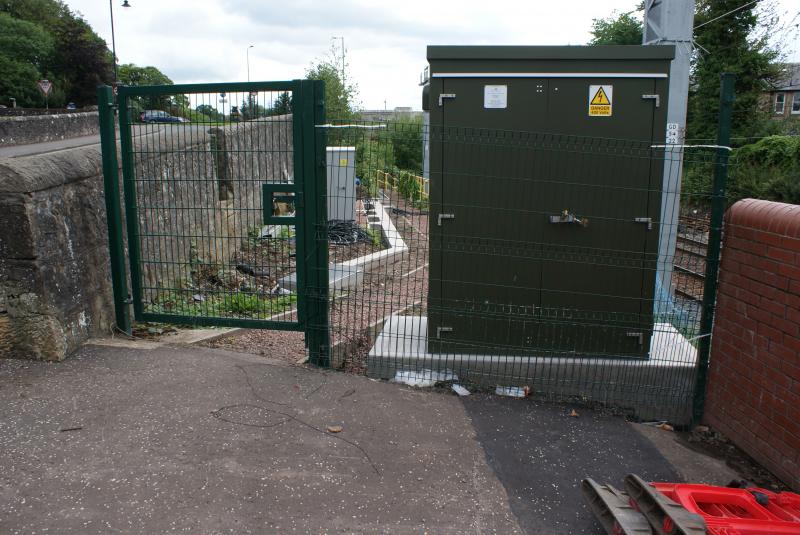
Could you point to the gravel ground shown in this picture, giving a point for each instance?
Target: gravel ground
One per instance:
(390, 288)
(283, 345)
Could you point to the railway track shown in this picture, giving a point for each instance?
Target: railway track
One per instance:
(689, 265)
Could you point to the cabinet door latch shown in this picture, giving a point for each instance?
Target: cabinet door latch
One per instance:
(648, 220)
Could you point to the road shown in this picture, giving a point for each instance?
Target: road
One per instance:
(185, 131)
(50, 146)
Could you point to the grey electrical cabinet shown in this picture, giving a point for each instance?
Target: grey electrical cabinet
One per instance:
(545, 179)
(341, 171)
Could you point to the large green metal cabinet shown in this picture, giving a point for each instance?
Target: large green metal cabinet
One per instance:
(545, 198)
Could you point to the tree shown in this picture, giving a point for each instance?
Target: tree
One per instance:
(78, 60)
(130, 74)
(282, 105)
(623, 29)
(209, 111)
(251, 109)
(82, 60)
(24, 50)
(339, 97)
(729, 42)
(406, 138)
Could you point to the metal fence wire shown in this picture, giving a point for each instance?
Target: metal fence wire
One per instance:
(196, 165)
(571, 268)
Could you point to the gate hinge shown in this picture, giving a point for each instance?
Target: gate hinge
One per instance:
(440, 330)
(640, 336)
(648, 220)
(657, 98)
(443, 96)
(445, 216)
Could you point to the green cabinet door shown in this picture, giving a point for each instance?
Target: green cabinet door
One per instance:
(486, 217)
(598, 276)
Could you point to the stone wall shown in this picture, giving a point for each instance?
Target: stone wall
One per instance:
(197, 188)
(199, 193)
(754, 375)
(26, 129)
(54, 270)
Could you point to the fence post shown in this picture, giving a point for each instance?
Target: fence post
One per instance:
(108, 144)
(316, 219)
(714, 241)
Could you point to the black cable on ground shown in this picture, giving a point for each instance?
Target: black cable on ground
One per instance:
(346, 233)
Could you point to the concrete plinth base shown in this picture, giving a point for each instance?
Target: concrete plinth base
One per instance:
(658, 387)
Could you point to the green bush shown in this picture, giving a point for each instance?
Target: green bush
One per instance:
(194, 115)
(767, 169)
(406, 139)
(407, 185)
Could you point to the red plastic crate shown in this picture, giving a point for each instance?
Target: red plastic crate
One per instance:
(730, 511)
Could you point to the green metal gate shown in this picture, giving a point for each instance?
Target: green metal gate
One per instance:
(224, 199)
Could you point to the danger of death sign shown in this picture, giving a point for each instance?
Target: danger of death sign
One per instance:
(601, 99)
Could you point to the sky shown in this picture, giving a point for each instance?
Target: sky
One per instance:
(385, 40)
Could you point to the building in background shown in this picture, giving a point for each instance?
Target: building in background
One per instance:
(389, 115)
(783, 99)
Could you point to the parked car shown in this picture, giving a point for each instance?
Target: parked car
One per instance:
(71, 106)
(160, 116)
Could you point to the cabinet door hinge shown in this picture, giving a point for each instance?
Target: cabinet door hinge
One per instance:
(639, 336)
(440, 330)
(445, 216)
(443, 96)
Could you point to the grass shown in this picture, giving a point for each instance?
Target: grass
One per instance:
(376, 236)
(222, 304)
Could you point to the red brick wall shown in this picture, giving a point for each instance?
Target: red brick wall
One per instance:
(754, 377)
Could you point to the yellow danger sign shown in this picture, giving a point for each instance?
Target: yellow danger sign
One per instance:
(601, 98)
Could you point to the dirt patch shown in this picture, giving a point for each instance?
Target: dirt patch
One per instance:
(713, 443)
(288, 346)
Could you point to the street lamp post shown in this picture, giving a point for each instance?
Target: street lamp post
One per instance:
(113, 40)
(342, 40)
(248, 62)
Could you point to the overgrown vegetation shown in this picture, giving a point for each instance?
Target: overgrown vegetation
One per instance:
(743, 39)
(395, 150)
(766, 169)
(45, 39)
(209, 304)
(618, 29)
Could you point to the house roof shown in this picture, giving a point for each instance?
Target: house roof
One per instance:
(789, 79)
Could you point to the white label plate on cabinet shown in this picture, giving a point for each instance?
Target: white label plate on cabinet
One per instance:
(495, 96)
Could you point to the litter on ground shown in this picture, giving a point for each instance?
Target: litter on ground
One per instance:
(423, 378)
(511, 391)
(460, 390)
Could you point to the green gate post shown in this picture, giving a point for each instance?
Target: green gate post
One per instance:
(316, 218)
(108, 144)
(714, 241)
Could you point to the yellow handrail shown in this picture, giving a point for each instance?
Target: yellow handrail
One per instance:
(387, 181)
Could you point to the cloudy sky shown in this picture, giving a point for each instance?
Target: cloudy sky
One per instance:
(385, 40)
